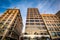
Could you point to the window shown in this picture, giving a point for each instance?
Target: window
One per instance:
(4, 27)
(42, 24)
(44, 27)
(53, 25)
(27, 23)
(36, 20)
(58, 24)
(9, 20)
(50, 29)
(27, 20)
(31, 23)
(48, 24)
(53, 34)
(41, 33)
(35, 33)
(1, 24)
(4, 20)
(31, 20)
(57, 29)
(26, 33)
(37, 23)
(58, 33)
(1, 31)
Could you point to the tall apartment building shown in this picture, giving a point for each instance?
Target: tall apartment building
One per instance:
(35, 27)
(52, 23)
(10, 25)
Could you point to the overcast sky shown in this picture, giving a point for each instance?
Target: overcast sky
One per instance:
(44, 6)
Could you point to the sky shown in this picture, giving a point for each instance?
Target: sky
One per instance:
(44, 6)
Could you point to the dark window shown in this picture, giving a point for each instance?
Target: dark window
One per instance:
(27, 20)
(42, 24)
(44, 27)
(27, 23)
(4, 27)
(53, 34)
(58, 24)
(26, 33)
(31, 20)
(31, 23)
(50, 29)
(37, 23)
(36, 20)
(48, 24)
(58, 33)
(53, 25)
(35, 33)
(1, 23)
(56, 29)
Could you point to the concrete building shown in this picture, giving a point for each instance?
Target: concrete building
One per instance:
(52, 23)
(35, 26)
(11, 25)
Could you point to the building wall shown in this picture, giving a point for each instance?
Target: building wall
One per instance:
(35, 24)
(52, 23)
(11, 24)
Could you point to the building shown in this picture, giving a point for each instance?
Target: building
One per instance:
(35, 26)
(11, 25)
(52, 23)
(58, 14)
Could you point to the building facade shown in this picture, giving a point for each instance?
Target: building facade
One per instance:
(11, 25)
(35, 27)
(52, 23)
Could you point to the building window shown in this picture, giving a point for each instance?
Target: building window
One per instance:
(9, 20)
(31, 20)
(36, 20)
(53, 25)
(42, 23)
(48, 24)
(27, 20)
(4, 27)
(58, 33)
(1, 31)
(58, 24)
(26, 33)
(50, 29)
(31, 23)
(1, 24)
(57, 29)
(37, 23)
(44, 27)
(27, 23)
(53, 34)
(35, 33)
